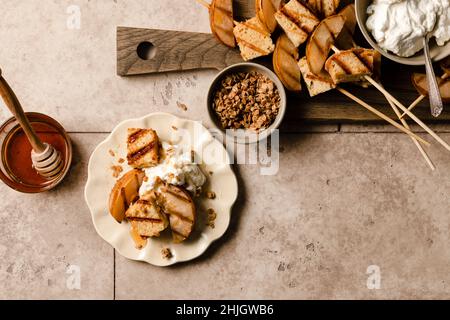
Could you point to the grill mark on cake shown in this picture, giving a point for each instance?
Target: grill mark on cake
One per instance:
(297, 21)
(341, 64)
(314, 77)
(251, 46)
(144, 202)
(254, 28)
(363, 59)
(135, 135)
(152, 220)
(133, 157)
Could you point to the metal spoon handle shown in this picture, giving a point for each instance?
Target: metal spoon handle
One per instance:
(436, 103)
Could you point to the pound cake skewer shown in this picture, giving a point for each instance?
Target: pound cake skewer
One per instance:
(404, 109)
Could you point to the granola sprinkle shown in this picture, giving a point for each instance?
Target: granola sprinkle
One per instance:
(117, 170)
(246, 100)
(166, 253)
(211, 195)
(212, 215)
(182, 106)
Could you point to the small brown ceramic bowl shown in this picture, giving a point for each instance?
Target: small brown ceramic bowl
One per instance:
(10, 131)
(244, 136)
(437, 53)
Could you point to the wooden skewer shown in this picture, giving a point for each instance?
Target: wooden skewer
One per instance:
(404, 109)
(405, 124)
(204, 3)
(421, 97)
(409, 113)
(418, 145)
(382, 115)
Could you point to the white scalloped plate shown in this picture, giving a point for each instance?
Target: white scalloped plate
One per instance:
(212, 157)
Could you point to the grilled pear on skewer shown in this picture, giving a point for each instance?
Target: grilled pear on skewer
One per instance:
(285, 65)
(323, 8)
(323, 37)
(221, 21)
(345, 38)
(265, 11)
(419, 81)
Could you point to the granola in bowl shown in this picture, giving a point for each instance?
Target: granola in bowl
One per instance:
(246, 102)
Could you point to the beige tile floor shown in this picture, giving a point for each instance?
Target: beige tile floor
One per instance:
(345, 197)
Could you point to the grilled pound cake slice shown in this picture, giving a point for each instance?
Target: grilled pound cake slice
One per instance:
(146, 217)
(316, 84)
(350, 65)
(179, 206)
(142, 148)
(253, 39)
(297, 21)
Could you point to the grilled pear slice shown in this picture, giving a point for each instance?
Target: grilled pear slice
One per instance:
(345, 38)
(221, 21)
(265, 10)
(179, 206)
(124, 192)
(321, 40)
(419, 81)
(323, 8)
(285, 63)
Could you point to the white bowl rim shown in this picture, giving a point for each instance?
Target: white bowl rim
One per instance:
(391, 56)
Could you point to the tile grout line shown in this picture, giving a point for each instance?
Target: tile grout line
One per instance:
(339, 130)
(114, 274)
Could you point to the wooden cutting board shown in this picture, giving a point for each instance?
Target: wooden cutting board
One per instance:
(144, 51)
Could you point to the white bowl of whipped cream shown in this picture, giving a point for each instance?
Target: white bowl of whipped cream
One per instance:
(396, 28)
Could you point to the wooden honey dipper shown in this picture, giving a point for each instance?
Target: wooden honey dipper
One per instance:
(46, 159)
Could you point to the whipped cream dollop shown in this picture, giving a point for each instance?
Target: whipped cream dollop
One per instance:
(400, 25)
(175, 168)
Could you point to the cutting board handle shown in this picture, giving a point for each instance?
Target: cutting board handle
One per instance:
(141, 51)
